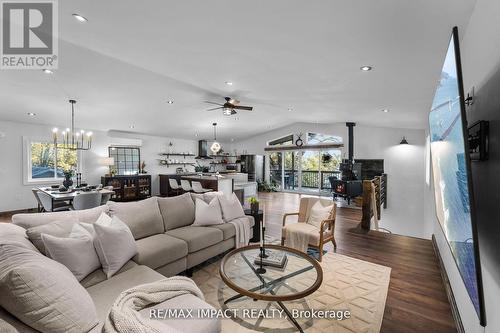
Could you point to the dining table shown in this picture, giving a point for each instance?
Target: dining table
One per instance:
(58, 196)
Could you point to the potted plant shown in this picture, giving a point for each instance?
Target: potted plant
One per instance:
(254, 204)
(68, 174)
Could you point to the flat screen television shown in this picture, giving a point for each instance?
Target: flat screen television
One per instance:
(452, 174)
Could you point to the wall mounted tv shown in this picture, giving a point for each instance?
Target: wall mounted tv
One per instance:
(452, 174)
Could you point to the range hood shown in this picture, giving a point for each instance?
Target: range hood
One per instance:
(202, 151)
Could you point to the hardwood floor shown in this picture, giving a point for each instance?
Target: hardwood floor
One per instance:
(416, 301)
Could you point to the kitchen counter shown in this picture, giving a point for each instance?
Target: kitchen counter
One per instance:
(208, 181)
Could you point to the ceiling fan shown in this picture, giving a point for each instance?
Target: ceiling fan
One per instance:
(229, 108)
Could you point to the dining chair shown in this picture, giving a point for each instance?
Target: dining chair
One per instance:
(174, 185)
(49, 205)
(198, 188)
(318, 237)
(87, 200)
(186, 186)
(40, 205)
(106, 196)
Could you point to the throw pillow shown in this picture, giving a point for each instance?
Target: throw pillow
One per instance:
(113, 242)
(231, 207)
(60, 228)
(76, 252)
(207, 214)
(42, 293)
(319, 213)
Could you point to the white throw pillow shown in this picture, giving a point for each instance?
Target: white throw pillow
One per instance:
(76, 252)
(207, 214)
(319, 213)
(231, 207)
(113, 242)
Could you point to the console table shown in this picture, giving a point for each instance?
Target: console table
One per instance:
(129, 188)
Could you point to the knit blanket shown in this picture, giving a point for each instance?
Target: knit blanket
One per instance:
(124, 316)
(242, 226)
(297, 238)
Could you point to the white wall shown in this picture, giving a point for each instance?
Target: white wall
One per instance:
(15, 195)
(404, 165)
(480, 49)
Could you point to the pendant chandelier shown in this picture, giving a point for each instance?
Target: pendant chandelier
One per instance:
(71, 139)
(216, 147)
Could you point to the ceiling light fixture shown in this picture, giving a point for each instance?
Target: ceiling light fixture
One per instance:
(385, 110)
(228, 83)
(170, 101)
(31, 114)
(80, 18)
(216, 147)
(227, 111)
(71, 139)
(290, 109)
(366, 68)
(131, 126)
(47, 71)
(404, 141)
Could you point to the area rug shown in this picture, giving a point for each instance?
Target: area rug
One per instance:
(348, 284)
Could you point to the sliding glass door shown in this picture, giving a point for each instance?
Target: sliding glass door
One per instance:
(304, 171)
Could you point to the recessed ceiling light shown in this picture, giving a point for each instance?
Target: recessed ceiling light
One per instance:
(31, 114)
(366, 68)
(229, 83)
(80, 18)
(48, 71)
(170, 101)
(385, 110)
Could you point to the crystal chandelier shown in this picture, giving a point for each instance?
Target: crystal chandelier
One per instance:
(216, 147)
(71, 139)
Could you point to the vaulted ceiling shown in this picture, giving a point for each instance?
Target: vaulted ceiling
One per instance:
(131, 57)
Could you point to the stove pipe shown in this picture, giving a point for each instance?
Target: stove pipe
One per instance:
(350, 131)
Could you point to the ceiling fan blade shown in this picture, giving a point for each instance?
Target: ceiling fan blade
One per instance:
(241, 107)
(214, 103)
(214, 109)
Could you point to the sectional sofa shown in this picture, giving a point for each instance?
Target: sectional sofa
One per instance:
(167, 244)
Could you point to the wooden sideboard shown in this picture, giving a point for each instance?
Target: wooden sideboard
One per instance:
(129, 188)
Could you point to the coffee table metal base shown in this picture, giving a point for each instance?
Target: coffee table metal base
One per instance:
(270, 285)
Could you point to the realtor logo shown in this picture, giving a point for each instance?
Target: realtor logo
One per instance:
(29, 35)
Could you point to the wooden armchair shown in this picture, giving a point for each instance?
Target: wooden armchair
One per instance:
(317, 237)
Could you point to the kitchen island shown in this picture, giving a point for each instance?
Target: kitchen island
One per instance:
(214, 182)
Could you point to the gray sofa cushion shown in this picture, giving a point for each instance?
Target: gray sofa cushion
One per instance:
(197, 238)
(35, 219)
(42, 293)
(228, 229)
(105, 293)
(60, 228)
(142, 217)
(99, 276)
(158, 250)
(177, 211)
(10, 233)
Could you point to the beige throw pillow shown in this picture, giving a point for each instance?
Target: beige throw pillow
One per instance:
(57, 228)
(207, 214)
(76, 252)
(42, 293)
(231, 207)
(319, 213)
(113, 241)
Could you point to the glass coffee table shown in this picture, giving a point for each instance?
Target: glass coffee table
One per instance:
(300, 277)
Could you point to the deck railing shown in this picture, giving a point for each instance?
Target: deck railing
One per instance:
(310, 179)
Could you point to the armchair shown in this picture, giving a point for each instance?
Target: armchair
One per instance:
(317, 236)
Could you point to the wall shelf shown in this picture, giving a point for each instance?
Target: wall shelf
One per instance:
(176, 154)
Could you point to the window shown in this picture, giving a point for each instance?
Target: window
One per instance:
(318, 138)
(127, 159)
(284, 141)
(44, 163)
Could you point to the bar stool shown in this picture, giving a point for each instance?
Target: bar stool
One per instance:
(186, 186)
(197, 188)
(174, 185)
